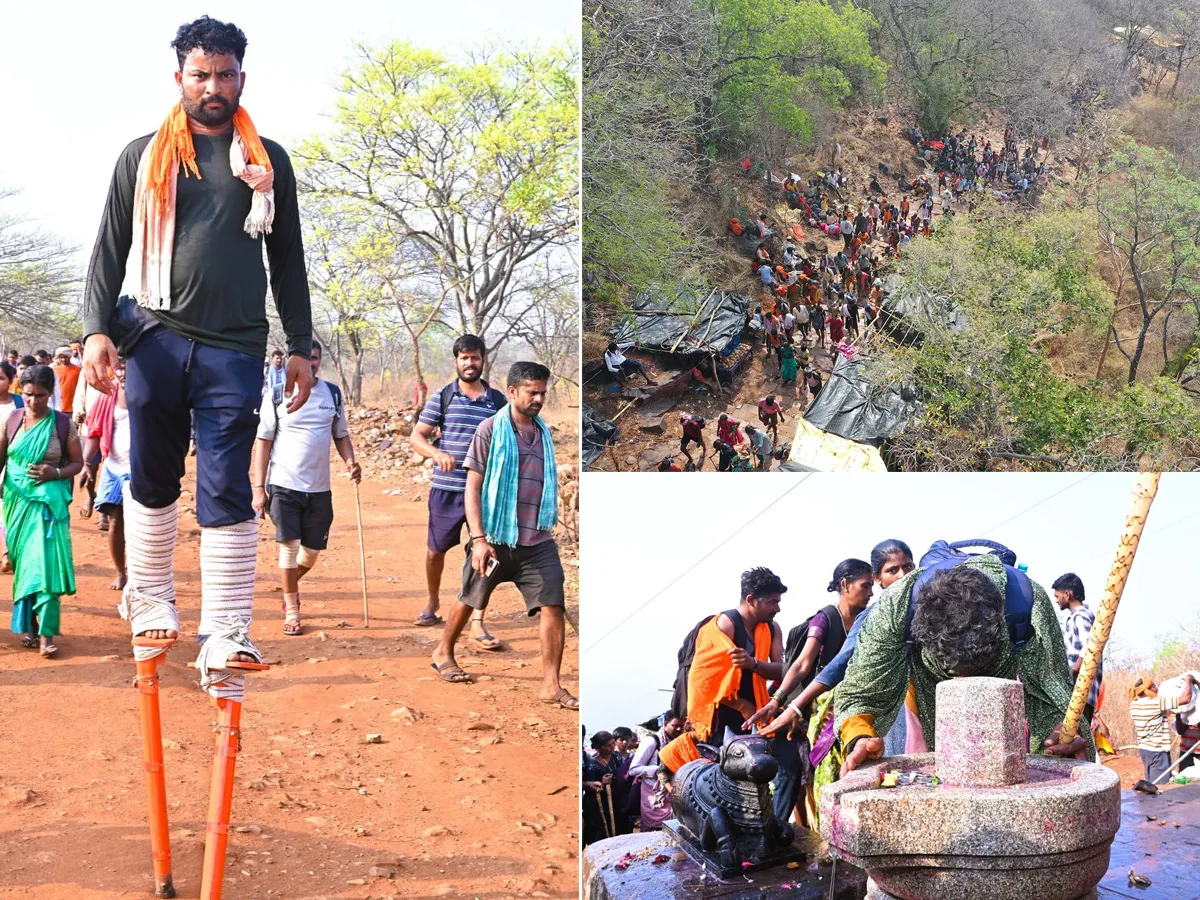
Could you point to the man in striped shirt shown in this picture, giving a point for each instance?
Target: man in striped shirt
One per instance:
(454, 412)
(1068, 594)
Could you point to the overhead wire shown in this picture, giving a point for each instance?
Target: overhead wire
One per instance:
(1039, 503)
(703, 556)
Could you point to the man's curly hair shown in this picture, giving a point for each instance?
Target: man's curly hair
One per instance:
(213, 37)
(760, 581)
(959, 619)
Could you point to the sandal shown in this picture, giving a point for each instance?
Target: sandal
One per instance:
(488, 642)
(103, 522)
(29, 642)
(48, 651)
(428, 620)
(564, 699)
(451, 672)
(291, 618)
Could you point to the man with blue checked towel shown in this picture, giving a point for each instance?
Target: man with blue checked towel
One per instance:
(511, 504)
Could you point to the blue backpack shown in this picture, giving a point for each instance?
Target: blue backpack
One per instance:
(1018, 589)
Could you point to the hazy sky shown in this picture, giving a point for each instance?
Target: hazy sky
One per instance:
(643, 532)
(85, 81)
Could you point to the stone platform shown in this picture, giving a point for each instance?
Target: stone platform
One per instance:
(679, 878)
(1169, 856)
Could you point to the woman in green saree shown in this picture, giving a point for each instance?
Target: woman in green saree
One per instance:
(38, 467)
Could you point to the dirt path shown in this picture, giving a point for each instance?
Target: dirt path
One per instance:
(473, 790)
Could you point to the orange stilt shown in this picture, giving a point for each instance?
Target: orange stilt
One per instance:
(220, 792)
(152, 755)
(220, 797)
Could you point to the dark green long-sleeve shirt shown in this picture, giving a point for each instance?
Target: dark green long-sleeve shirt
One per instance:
(218, 282)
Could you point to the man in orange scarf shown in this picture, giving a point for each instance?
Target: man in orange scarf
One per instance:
(177, 282)
(737, 653)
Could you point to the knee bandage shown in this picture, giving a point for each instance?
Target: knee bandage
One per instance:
(288, 551)
(308, 557)
(148, 602)
(228, 556)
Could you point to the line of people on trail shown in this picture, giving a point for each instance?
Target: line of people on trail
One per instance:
(971, 164)
(737, 447)
(857, 679)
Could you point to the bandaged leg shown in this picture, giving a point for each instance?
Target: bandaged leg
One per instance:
(308, 557)
(228, 555)
(288, 553)
(148, 600)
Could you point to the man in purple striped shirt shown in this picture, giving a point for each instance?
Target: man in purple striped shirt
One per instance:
(468, 401)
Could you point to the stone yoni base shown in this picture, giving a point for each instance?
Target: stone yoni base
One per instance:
(875, 892)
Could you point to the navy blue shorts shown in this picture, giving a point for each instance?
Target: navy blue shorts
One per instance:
(168, 378)
(447, 516)
(300, 516)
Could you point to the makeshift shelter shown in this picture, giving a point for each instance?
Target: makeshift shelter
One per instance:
(689, 322)
(598, 434)
(909, 315)
(850, 407)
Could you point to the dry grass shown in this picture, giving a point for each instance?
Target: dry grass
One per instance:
(1117, 682)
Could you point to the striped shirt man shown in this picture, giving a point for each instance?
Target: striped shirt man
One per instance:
(458, 425)
(1150, 721)
(1076, 629)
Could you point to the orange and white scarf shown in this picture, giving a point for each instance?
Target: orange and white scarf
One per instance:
(148, 271)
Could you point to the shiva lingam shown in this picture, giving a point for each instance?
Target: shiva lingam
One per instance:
(981, 817)
(724, 819)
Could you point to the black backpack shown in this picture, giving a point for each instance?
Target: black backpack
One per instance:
(687, 652)
(496, 397)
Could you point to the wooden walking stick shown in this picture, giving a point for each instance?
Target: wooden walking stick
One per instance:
(1143, 495)
(362, 556)
(612, 816)
(152, 759)
(603, 818)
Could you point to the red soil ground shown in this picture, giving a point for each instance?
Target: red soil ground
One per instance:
(474, 789)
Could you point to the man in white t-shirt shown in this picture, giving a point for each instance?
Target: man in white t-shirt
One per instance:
(291, 455)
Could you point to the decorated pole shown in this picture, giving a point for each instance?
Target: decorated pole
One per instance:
(1143, 496)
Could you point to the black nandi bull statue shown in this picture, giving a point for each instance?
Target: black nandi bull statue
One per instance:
(723, 811)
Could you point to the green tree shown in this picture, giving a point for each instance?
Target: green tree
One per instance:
(990, 394)
(645, 82)
(774, 56)
(472, 161)
(37, 281)
(1149, 223)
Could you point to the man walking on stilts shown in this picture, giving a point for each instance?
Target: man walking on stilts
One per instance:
(176, 282)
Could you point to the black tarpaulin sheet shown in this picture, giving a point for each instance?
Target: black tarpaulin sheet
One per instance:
(849, 407)
(597, 435)
(922, 311)
(707, 322)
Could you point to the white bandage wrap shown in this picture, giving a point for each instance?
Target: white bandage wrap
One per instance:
(308, 557)
(148, 601)
(228, 556)
(288, 551)
(214, 654)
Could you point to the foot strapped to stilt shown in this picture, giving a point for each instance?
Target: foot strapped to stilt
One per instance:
(218, 672)
(146, 612)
